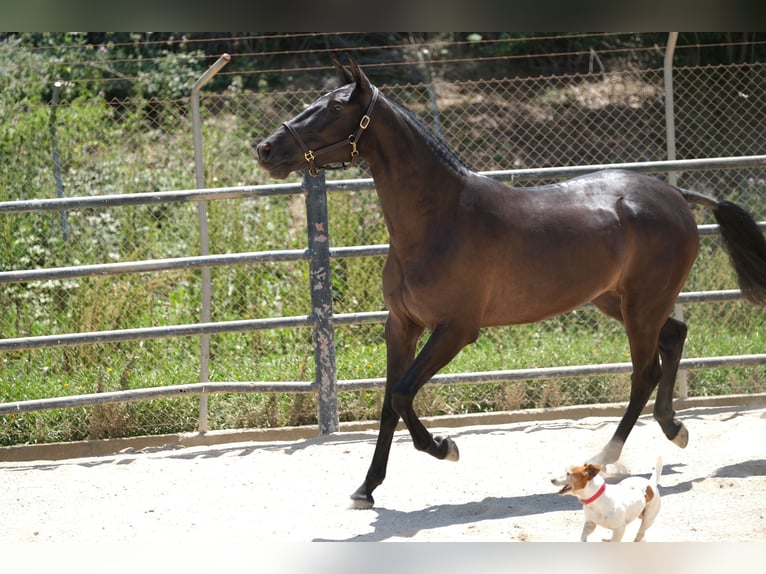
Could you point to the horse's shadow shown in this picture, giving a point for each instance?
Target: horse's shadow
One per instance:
(743, 469)
(396, 523)
(390, 523)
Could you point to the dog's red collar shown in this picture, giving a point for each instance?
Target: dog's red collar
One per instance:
(599, 492)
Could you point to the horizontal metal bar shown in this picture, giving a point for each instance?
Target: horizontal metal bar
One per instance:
(358, 384)
(153, 265)
(239, 192)
(132, 395)
(58, 273)
(709, 296)
(359, 318)
(126, 199)
(193, 329)
(121, 335)
(359, 251)
(558, 372)
(644, 166)
(359, 184)
(725, 361)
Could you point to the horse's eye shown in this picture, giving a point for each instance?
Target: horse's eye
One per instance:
(337, 108)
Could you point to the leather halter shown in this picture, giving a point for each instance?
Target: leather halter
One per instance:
(351, 140)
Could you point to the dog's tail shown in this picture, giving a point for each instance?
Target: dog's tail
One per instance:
(655, 478)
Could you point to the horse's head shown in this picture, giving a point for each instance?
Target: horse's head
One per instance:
(326, 132)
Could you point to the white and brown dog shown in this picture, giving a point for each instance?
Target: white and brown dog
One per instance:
(613, 506)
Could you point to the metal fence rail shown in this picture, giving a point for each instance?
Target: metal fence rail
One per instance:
(322, 318)
(192, 389)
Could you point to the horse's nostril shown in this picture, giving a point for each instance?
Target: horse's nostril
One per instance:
(263, 150)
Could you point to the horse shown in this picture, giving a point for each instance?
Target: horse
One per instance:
(467, 252)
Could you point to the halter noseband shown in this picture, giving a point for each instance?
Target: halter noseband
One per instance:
(351, 140)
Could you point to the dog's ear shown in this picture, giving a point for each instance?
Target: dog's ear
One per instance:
(592, 469)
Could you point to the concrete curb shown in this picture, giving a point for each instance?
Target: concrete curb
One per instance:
(104, 447)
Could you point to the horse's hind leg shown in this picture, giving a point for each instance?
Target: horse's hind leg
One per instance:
(672, 337)
(643, 324)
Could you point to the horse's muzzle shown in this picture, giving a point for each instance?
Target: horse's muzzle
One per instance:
(272, 163)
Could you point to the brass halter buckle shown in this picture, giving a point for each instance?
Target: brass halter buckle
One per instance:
(310, 157)
(363, 123)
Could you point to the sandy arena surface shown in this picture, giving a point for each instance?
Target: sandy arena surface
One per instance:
(297, 491)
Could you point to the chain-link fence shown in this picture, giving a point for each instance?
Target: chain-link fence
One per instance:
(87, 146)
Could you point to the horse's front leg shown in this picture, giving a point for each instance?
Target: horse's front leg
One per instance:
(444, 343)
(441, 347)
(401, 340)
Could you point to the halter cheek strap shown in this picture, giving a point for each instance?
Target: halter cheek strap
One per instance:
(593, 498)
(351, 140)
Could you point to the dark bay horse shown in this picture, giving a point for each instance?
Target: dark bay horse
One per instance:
(468, 252)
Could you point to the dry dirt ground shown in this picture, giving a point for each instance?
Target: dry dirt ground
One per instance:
(297, 490)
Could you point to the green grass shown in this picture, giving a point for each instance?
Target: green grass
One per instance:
(106, 149)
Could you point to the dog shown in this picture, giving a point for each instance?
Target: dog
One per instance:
(613, 506)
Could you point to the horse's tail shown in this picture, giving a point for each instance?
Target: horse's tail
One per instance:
(742, 240)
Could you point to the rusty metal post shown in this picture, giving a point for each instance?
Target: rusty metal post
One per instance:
(326, 378)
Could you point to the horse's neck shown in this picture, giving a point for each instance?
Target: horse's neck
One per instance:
(416, 207)
(417, 189)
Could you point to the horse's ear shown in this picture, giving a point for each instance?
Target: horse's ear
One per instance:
(359, 76)
(344, 74)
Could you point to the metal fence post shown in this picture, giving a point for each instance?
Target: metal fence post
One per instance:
(199, 173)
(670, 117)
(320, 282)
(57, 156)
(670, 130)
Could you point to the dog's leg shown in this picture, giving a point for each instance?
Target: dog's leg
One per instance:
(641, 531)
(647, 517)
(587, 530)
(616, 535)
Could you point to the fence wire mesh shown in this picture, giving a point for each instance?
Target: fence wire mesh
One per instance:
(88, 146)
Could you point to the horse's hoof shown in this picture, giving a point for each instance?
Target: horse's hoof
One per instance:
(682, 437)
(361, 503)
(360, 500)
(610, 454)
(452, 452)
